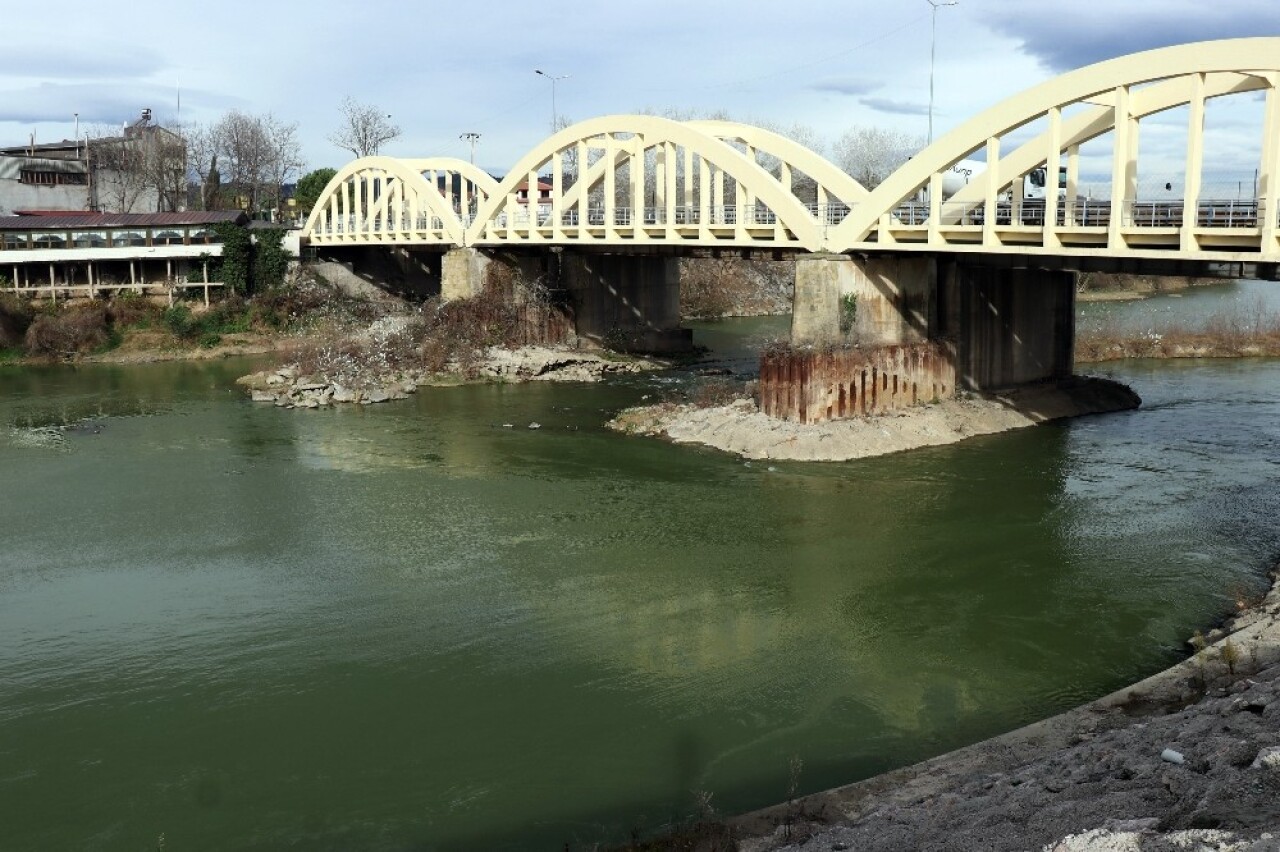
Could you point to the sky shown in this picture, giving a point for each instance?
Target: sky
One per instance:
(442, 68)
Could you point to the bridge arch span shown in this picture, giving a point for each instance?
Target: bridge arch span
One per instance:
(641, 179)
(1108, 97)
(398, 201)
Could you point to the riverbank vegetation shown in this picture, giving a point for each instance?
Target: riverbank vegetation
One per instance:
(130, 326)
(1235, 333)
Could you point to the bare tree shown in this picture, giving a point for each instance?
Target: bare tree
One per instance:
(202, 157)
(364, 128)
(871, 154)
(141, 168)
(249, 156)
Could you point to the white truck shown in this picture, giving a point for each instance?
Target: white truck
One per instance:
(1033, 183)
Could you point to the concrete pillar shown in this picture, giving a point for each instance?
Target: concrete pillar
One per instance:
(462, 273)
(627, 303)
(1010, 326)
(874, 301)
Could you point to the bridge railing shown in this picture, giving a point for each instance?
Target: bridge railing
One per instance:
(1089, 213)
(685, 214)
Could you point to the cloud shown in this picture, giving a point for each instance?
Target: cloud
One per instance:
(846, 86)
(894, 107)
(83, 61)
(96, 103)
(1064, 42)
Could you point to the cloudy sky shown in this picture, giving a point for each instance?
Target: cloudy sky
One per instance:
(441, 68)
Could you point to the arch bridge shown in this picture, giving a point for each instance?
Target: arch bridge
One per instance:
(630, 182)
(976, 277)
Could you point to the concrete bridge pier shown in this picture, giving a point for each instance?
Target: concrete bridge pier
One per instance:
(923, 325)
(875, 301)
(627, 303)
(1008, 326)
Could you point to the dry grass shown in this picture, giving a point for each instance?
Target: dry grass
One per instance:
(69, 332)
(1243, 332)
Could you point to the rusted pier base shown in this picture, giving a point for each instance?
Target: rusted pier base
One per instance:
(812, 385)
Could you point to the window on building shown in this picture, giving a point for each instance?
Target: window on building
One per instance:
(167, 238)
(38, 177)
(50, 241)
(89, 239)
(128, 238)
(204, 235)
(16, 241)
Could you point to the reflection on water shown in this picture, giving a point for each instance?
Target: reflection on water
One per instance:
(409, 625)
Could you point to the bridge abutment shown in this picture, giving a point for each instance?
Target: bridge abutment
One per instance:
(462, 273)
(629, 304)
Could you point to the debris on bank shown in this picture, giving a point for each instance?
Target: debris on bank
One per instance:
(292, 386)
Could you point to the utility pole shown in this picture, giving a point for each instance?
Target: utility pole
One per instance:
(555, 117)
(473, 138)
(933, 52)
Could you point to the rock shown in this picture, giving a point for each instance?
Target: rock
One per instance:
(262, 396)
(341, 394)
(378, 395)
(310, 386)
(276, 379)
(1268, 758)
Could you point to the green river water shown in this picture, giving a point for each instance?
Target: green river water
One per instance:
(409, 626)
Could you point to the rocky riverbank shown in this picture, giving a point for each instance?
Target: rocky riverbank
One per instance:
(741, 428)
(295, 386)
(1188, 759)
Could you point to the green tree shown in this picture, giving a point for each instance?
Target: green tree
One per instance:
(310, 186)
(237, 256)
(270, 259)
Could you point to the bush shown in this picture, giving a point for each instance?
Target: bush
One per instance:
(128, 308)
(70, 332)
(180, 322)
(15, 318)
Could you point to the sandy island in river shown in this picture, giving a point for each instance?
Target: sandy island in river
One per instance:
(741, 428)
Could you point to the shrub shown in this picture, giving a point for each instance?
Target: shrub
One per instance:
(180, 321)
(15, 318)
(128, 308)
(69, 332)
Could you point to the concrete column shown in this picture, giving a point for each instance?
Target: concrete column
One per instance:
(626, 303)
(877, 301)
(1010, 326)
(462, 273)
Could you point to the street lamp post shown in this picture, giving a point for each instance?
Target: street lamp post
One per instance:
(555, 117)
(473, 138)
(933, 51)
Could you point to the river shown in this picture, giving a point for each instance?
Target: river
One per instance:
(413, 626)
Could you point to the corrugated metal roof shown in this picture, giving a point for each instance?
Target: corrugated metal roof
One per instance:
(70, 220)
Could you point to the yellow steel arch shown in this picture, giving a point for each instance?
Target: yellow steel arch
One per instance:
(383, 199)
(1118, 93)
(832, 181)
(694, 173)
